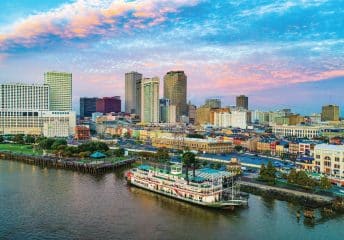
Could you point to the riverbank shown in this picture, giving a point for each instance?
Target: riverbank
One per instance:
(303, 198)
(100, 167)
(39, 203)
(94, 167)
(329, 205)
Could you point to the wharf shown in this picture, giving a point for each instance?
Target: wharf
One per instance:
(66, 163)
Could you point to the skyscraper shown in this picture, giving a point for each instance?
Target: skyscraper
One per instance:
(175, 86)
(164, 110)
(150, 100)
(242, 102)
(108, 104)
(330, 113)
(24, 97)
(24, 109)
(192, 113)
(213, 103)
(60, 91)
(133, 92)
(87, 106)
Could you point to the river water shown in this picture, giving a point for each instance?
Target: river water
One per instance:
(38, 203)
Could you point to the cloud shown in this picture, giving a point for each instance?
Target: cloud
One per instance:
(88, 17)
(281, 7)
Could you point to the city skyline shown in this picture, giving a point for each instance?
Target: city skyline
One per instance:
(226, 49)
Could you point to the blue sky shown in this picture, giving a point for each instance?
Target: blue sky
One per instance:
(276, 52)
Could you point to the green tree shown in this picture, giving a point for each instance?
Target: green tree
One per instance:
(162, 155)
(195, 135)
(46, 143)
(268, 173)
(238, 148)
(93, 147)
(119, 152)
(1, 139)
(19, 138)
(301, 178)
(292, 176)
(325, 183)
(29, 139)
(188, 160)
(57, 143)
(218, 165)
(84, 154)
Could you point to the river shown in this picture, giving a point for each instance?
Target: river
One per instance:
(38, 203)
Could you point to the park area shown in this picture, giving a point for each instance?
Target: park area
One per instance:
(20, 149)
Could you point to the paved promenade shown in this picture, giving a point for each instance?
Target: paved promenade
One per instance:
(316, 197)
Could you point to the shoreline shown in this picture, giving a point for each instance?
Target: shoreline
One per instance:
(65, 163)
(310, 201)
(302, 198)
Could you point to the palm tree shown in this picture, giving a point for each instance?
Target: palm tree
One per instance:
(188, 160)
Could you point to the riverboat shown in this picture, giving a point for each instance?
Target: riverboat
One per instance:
(208, 187)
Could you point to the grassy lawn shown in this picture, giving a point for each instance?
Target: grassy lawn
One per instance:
(19, 148)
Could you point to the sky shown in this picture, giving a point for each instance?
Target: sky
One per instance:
(279, 53)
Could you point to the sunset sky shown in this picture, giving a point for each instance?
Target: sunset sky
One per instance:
(279, 53)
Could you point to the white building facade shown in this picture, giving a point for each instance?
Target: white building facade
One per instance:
(24, 109)
(234, 119)
(297, 131)
(150, 100)
(329, 160)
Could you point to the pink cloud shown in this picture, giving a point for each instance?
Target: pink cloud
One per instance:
(234, 78)
(86, 17)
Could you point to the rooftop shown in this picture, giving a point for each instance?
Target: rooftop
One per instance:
(329, 147)
(209, 173)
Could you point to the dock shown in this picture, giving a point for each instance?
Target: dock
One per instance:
(67, 163)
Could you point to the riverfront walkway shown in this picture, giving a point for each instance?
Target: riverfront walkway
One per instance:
(66, 163)
(290, 192)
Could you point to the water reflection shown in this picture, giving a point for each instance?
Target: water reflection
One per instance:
(61, 204)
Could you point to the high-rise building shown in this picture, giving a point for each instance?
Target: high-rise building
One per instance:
(172, 114)
(164, 110)
(213, 103)
(175, 89)
(192, 113)
(203, 116)
(24, 109)
(60, 90)
(87, 106)
(242, 102)
(234, 119)
(330, 113)
(108, 105)
(24, 97)
(150, 100)
(133, 92)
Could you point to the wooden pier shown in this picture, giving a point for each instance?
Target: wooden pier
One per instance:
(66, 163)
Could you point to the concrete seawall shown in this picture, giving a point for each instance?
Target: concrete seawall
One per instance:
(304, 198)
